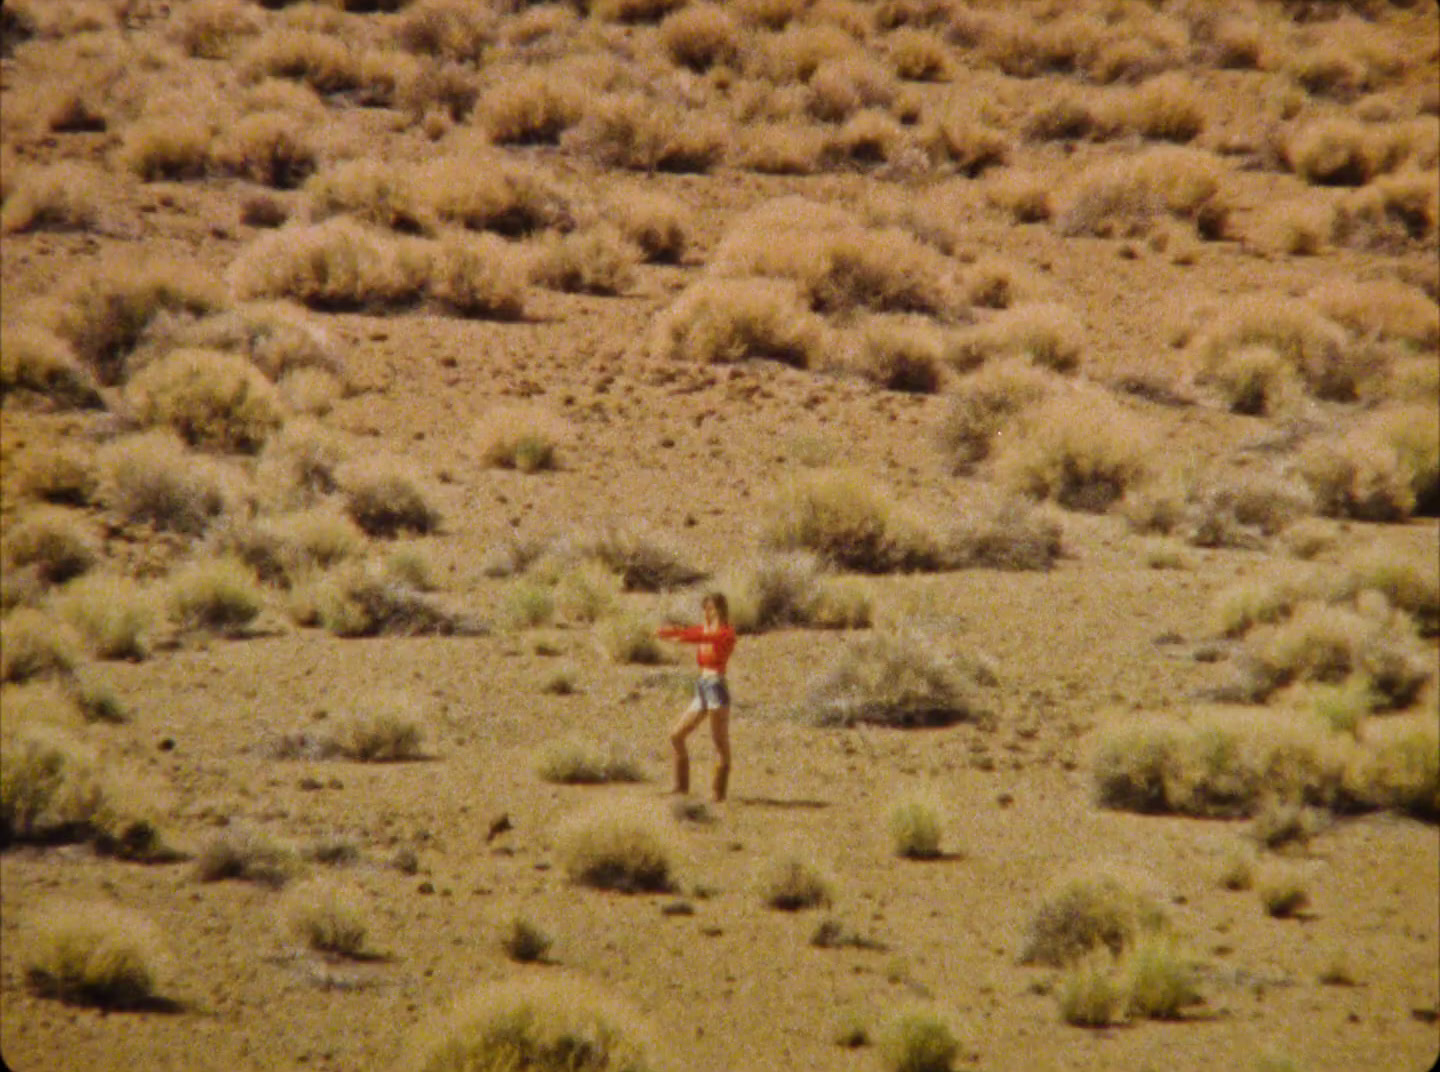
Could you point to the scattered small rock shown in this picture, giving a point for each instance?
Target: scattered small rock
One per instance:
(498, 826)
(1005, 800)
(677, 908)
(425, 887)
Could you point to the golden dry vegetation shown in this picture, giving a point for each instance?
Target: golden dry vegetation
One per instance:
(1052, 387)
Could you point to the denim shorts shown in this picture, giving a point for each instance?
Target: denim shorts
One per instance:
(710, 693)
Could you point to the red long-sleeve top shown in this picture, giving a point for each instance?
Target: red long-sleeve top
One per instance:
(715, 643)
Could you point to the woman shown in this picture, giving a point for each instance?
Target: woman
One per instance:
(715, 640)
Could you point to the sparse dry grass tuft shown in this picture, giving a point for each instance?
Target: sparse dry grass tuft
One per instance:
(659, 226)
(1088, 912)
(1082, 456)
(899, 354)
(95, 954)
(791, 589)
(918, 1040)
(1359, 476)
(542, 1024)
(220, 595)
(211, 400)
(333, 266)
(54, 543)
(385, 500)
(114, 616)
(526, 439)
(271, 148)
(727, 320)
(638, 133)
(700, 36)
(617, 848)
(61, 197)
(174, 148)
(35, 360)
(594, 260)
(33, 647)
(151, 478)
(848, 523)
(385, 731)
(895, 680)
(1316, 348)
(247, 857)
(627, 638)
(1125, 197)
(573, 761)
(105, 312)
(915, 829)
(984, 404)
(326, 919)
(791, 883)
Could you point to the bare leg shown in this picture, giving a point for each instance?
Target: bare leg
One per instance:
(720, 731)
(683, 728)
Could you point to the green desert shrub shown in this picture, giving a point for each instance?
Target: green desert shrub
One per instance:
(211, 400)
(385, 500)
(219, 595)
(915, 829)
(152, 478)
(1160, 978)
(36, 360)
(326, 919)
(246, 856)
(528, 604)
(849, 524)
(791, 883)
(1088, 912)
(51, 541)
(894, 680)
(549, 1025)
(576, 761)
(918, 1040)
(95, 954)
(719, 321)
(617, 848)
(1089, 993)
(114, 616)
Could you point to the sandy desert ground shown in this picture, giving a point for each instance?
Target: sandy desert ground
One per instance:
(1219, 288)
